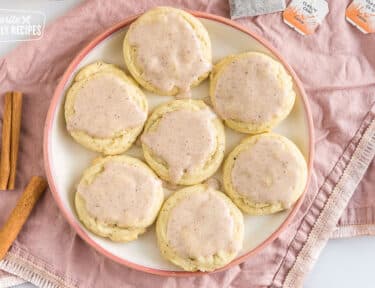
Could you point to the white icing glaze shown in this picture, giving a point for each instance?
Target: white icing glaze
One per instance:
(201, 226)
(122, 194)
(184, 139)
(249, 90)
(102, 107)
(267, 172)
(169, 53)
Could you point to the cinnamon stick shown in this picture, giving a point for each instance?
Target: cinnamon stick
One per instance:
(15, 137)
(20, 213)
(6, 142)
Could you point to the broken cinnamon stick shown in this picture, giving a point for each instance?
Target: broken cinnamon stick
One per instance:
(6, 142)
(15, 138)
(20, 213)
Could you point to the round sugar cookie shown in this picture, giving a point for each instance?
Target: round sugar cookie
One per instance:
(168, 51)
(199, 228)
(118, 197)
(183, 141)
(105, 110)
(264, 174)
(251, 92)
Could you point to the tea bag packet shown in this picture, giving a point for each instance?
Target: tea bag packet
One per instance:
(361, 14)
(244, 8)
(305, 16)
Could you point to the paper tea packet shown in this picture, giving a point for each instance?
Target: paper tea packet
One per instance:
(244, 8)
(361, 13)
(305, 16)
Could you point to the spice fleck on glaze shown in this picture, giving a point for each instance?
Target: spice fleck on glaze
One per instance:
(121, 194)
(168, 52)
(201, 226)
(249, 90)
(184, 139)
(102, 108)
(267, 172)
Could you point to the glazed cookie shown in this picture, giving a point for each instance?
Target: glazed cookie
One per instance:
(184, 142)
(199, 228)
(168, 51)
(105, 110)
(118, 197)
(251, 91)
(265, 174)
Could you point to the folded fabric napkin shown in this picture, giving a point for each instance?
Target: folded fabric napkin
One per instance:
(337, 67)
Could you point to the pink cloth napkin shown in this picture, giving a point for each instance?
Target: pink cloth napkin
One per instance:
(337, 67)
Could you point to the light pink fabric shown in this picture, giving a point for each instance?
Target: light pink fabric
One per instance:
(337, 67)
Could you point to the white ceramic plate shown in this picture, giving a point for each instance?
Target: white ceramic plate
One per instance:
(65, 159)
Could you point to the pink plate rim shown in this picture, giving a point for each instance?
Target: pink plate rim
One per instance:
(47, 153)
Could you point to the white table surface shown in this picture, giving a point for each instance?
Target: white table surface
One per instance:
(344, 263)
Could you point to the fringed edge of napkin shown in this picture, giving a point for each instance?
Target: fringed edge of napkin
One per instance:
(327, 207)
(24, 265)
